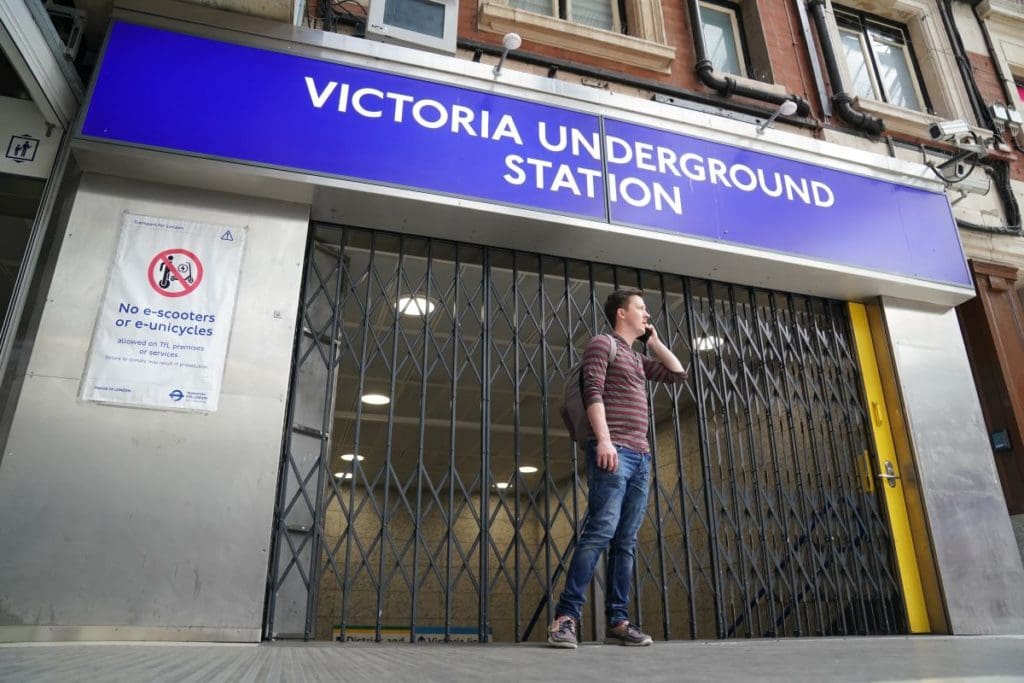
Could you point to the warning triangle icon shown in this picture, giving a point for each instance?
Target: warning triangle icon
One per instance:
(227, 237)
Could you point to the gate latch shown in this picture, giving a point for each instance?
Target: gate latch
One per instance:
(889, 475)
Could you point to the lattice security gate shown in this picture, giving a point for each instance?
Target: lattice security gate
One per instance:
(448, 512)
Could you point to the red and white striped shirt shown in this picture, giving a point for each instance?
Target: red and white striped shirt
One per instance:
(622, 387)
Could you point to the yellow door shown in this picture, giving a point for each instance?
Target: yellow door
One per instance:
(888, 474)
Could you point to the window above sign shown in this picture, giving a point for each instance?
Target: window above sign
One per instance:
(630, 32)
(735, 42)
(723, 34)
(898, 63)
(880, 58)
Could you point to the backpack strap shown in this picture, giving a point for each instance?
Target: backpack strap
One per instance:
(612, 352)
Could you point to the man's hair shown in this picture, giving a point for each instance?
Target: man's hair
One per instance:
(619, 299)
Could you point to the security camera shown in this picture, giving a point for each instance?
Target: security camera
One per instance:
(974, 184)
(949, 130)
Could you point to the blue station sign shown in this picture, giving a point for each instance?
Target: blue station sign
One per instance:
(170, 91)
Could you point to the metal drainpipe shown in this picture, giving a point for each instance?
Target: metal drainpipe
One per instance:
(727, 87)
(963, 65)
(1001, 173)
(992, 51)
(840, 98)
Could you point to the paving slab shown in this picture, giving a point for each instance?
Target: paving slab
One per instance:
(931, 659)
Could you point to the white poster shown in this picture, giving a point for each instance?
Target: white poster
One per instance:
(164, 323)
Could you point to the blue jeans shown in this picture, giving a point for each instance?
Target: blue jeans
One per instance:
(616, 504)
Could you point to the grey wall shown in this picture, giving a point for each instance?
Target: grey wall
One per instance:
(973, 543)
(155, 522)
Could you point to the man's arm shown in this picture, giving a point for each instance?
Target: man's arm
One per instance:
(663, 354)
(607, 456)
(594, 374)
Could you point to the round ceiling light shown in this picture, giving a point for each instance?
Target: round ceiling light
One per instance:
(376, 399)
(708, 343)
(349, 457)
(527, 469)
(415, 305)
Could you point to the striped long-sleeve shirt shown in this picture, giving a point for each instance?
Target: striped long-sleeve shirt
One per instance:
(621, 386)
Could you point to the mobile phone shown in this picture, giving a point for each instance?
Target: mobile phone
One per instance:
(646, 335)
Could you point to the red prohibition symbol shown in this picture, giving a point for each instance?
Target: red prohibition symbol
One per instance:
(175, 272)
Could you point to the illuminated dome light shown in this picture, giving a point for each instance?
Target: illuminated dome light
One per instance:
(708, 343)
(342, 475)
(349, 457)
(376, 399)
(415, 305)
(501, 485)
(527, 469)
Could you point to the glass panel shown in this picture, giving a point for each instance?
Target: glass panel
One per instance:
(895, 72)
(421, 16)
(722, 41)
(538, 6)
(596, 13)
(856, 61)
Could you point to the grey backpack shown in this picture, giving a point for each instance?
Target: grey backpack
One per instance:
(573, 412)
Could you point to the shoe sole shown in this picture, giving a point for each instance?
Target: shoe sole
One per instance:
(617, 641)
(561, 644)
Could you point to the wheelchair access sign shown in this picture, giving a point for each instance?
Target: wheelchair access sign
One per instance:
(162, 333)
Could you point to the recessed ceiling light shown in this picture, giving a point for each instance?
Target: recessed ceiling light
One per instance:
(707, 343)
(527, 469)
(415, 305)
(342, 475)
(348, 457)
(376, 399)
(501, 485)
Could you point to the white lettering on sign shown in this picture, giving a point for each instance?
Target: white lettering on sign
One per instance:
(638, 189)
(372, 103)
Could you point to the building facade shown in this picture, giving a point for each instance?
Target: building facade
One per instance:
(294, 289)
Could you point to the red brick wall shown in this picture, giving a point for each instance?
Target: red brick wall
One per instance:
(782, 33)
(992, 91)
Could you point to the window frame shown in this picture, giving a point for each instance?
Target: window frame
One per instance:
(864, 24)
(645, 46)
(734, 11)
(564, 11)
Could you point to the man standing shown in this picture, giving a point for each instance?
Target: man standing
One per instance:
(618, 466)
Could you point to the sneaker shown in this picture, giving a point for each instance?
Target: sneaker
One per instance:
(626, 633)
(562, 632)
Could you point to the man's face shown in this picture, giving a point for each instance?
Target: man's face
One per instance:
(635, 315)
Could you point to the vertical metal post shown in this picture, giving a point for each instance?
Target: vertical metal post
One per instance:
(485, 452)
(705, 458)
(656, 479)
(385, 529)
(356, 439)
(417, 519)
(517, 538)
(456, 304)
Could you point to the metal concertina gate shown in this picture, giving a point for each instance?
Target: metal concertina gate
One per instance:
(447, 510)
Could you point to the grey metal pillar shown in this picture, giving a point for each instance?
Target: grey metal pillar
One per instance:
(975, 555)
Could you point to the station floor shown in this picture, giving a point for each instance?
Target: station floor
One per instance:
(934, 659)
